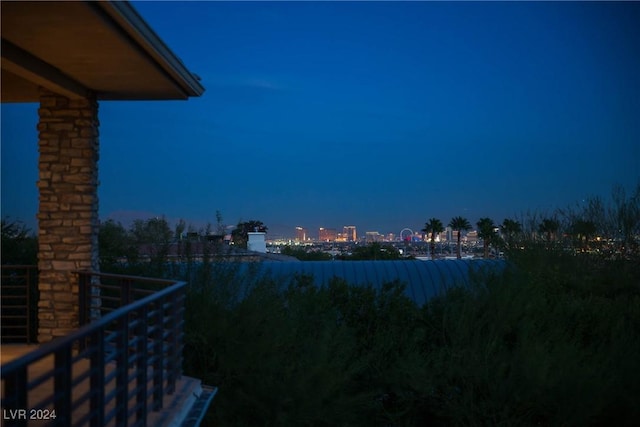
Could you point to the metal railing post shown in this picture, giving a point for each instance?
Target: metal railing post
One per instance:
(172, 340)
(28, 295)
(15, 390)
(175, 339)
(125, 296)
(148, 330)
(18, 315)
(122, 371)
(62, 386)
(141, 367)
(96, 379)
(83, 304)
(158, 355)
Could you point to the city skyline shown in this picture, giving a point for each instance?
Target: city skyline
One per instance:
(377, 114)
(351, 234)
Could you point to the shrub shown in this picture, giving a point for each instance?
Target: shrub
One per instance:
(279, 356)
(549, 345)
(555, 340)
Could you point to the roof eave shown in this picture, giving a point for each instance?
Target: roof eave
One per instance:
(124, 14)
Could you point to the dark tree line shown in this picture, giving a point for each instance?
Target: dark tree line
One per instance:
(612, 228)
(19, 244)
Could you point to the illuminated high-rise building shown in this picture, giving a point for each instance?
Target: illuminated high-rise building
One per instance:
(373, 236)
(449, 234)
(349, 231)
(327, 234)
(301, 234)
(472, 236)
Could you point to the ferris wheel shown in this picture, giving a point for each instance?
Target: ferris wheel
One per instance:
(407, 236)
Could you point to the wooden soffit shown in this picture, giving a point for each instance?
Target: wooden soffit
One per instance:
(76, 47)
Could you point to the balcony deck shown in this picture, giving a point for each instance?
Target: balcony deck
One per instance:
(122, 366)
(176, 408)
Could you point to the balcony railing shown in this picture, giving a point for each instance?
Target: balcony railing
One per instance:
(19, 304)
(115, 369)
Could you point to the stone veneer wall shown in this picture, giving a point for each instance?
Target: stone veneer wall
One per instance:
(68, 212)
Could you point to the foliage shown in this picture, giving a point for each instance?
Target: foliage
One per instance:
(625, 215)
(433, 227)
(116, 246)
(304, 255)
(487, 232)
(549, 228)
(459, 224)
(19, 244)
(153, 237)
(611, 229)
(582, 230)
(278, 354)
(540, 346)
(240, 235)
(371, 252)
(512, 230)
(220, 229)
(553, 341)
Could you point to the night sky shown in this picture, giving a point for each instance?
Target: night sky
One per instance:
(378, 115)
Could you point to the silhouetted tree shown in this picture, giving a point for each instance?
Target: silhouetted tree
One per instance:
(115, 244)
(220, 229)
(581, 230)
(486, 230)
(549, 227)
(459, 223)
(372, 252)
(153, 238)
(511, 228)
(179, 234)
(240, 234)
(304, 255)
(19, 244)
(433, 227)
(625, 215)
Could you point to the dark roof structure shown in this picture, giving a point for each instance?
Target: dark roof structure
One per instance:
(423, 279)
(76, 47)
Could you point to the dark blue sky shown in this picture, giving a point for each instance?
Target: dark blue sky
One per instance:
(374, 114)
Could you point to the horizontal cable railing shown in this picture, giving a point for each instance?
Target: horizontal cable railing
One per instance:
(114, 369)
(19, 304)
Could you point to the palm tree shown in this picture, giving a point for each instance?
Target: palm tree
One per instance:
(486, 230)
(459, 223)
(511, 228)
(433, 227)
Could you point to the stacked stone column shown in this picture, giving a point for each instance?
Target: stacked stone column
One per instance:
(68, 211)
